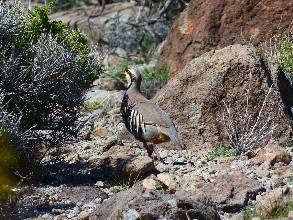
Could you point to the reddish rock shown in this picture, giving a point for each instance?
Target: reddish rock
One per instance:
(101, 132)
(275, 199)
(125, 162)
(273, 153)
(195, 97)
(210, 24)
(229, 192)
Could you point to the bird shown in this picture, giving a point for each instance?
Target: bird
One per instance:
(143, 118)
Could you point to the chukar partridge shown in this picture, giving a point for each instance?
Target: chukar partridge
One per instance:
(144, 119)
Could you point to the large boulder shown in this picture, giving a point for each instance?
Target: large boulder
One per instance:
(136, 203)
(120, 28)
(195, 97)
(209, 24)
(228, 192)
(125, 163)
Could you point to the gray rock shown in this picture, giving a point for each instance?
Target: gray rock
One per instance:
(156, 205)
(229, 192)
(109, 84)
(125, 162)
(117, 28)
(131, 214)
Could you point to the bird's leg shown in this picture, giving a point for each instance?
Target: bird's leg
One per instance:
(152, 152)
(149, 148)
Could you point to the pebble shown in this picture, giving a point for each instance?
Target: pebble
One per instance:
(84, 215)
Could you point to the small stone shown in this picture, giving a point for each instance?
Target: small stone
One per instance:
(149, 183)
(84, 215)
(166, 178)
(126, 162)
(131, 214)
(98, 200)
(237, 217)
(46, 216)
(57, 211)
(230, 190)
(100, 184)
(290, 214)
(172, 203)
(191, 182)
(61, 217)
(101, 132)
(256, 218)
(228, 159)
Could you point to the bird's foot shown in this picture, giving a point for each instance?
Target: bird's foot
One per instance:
(152, 151)
(155, 155)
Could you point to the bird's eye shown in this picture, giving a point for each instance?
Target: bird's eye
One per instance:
(132, 76)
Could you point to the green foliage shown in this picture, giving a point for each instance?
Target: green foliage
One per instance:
(290, 180)
(160, 74)
(285, 54)
(282, 211)
(116, 72)
(248, 213)
(45, 70)
(221, 152)
(38, 22)
(146, 46)
(160, 186)
(288, 144)
(8, 157)
(90, 106)
(9, 161)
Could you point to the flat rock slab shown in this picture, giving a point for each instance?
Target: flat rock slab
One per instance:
(123, 162)
(136, 203)
(229, 192)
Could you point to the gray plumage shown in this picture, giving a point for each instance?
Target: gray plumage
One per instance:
(144, 119)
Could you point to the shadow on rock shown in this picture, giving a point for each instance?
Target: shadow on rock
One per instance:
(137, 203)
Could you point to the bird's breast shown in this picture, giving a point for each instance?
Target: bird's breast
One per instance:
(133, 120)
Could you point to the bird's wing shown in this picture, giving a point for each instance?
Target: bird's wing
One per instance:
(152, 114)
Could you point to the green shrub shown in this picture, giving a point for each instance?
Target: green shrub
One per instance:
(90, 106)
(285, 55)
(282, 211)
(9, 161)
(157, 74)
(280, 49)
(37, 23)
(221, 152)
(248, 213)
(147, 45)
(116, 72)
(45, 70)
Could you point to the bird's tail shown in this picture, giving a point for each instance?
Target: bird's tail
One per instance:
(173, 134)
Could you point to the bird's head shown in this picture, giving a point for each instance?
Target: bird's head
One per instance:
(133, 78)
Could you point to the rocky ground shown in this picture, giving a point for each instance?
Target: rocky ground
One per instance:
(106, 168)
(106, 174)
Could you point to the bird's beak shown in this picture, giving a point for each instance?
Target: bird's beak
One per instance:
(123, 74)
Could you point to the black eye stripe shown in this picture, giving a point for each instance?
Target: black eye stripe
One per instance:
(132, 76)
